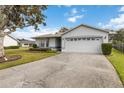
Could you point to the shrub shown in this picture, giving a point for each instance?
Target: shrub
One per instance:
(39, 49)
(12, 47)
(34, 46)
(51, 51)
(119, 46)
(106, 48)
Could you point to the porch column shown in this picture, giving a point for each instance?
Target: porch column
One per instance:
(45, 43)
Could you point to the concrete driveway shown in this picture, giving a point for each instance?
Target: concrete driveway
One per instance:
(64, 70)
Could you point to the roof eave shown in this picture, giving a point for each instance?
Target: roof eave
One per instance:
(14, 39)
(45, 37)
(95, 28)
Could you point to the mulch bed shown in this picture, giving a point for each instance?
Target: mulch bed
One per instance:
(10, 58)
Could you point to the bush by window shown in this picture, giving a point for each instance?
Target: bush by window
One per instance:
(34, 46)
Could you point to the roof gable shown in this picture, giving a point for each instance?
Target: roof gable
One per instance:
(87, 27)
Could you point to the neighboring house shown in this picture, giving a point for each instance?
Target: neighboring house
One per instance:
(26, 43)
(10, 41)
(111, 35)
(83, 38)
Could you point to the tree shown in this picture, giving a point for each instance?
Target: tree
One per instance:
(119, 37)
(19, 16)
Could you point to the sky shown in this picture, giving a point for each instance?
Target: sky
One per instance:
(105, 17)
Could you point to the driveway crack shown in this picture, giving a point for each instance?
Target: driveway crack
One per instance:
(41, 82)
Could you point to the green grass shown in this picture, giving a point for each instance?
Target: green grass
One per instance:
(117, 59)
(26, 57)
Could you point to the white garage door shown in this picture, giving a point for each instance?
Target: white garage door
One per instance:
(85, 45)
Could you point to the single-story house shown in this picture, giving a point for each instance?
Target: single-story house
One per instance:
(10, 41)
(82, 38)
(26, 43)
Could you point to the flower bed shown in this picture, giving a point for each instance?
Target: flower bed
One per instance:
(10, 58)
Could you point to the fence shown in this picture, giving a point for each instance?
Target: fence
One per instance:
(119, 47)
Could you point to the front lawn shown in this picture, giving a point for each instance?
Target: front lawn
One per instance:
(117, 59)
(27, 57)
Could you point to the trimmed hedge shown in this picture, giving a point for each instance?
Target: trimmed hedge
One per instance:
(51, 51)
(39, 49)
(106, 48)
(47, 50)
(12, 47)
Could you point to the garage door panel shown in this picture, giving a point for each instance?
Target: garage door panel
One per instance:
(85, 46)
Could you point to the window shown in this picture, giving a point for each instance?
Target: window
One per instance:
(71, 39)
(67, 39)
(97, 38)
(79, 38)
(75, 39)
(25, 44)
(83, 38)
(88, 38)
(93, 38)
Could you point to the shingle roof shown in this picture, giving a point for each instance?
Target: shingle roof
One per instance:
(26, 41)
(47, 35)
(57, 34)
(65, 30)
(13, 38)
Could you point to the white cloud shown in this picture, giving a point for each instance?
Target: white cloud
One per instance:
(114, 23)
(121, 9)
(107, 26)
(32, 33)
(67, 5)
(99, 24)
(117, 21)
(75, 18)
(64, 6)
(74, 11)
(83, 10)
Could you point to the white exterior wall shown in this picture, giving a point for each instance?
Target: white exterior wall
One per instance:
(85, 45)
(84, 31)
(8, 41)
